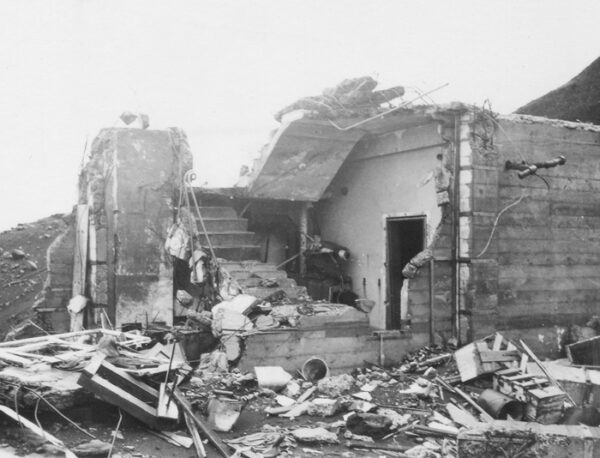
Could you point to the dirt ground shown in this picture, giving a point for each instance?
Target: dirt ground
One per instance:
(20, 283)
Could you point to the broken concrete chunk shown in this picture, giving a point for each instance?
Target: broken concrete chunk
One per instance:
(292, 389)
(322, 407)
(213, 362)
(284, 401)
(358, 437)
(94, 447)
(396, 418)
(365, 396)
(232, 345)
(272, 377)
(335, 386)
(223, 413)
(315, 435)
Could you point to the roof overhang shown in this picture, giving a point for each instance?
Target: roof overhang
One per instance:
(305, 154)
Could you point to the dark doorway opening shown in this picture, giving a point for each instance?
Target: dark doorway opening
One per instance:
(405, 238)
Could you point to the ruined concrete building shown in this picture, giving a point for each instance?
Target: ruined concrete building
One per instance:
(446, 223)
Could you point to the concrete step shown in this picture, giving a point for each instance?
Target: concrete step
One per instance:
(218, 212)
(224, 224)
(292, 293)
(257, 273)
(254, 282)
(238, 253)
(228, 239)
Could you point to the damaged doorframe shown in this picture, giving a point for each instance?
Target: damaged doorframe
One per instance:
(386, 324)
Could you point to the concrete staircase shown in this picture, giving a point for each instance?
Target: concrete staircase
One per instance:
(232, 241)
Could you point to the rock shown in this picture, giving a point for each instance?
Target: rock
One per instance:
(6, 255)
(315, 435)
(30, 265)
(223, 413)
(358, 437)
(292, 389)
(17, 254)
(369, 424)
(232, 345)
(396, 418)
(322, 407)
(272, 377)
(284, 400)
(92, 448)
(334, 387)
(364, 395)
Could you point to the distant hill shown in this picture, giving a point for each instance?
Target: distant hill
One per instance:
(577, 100)
(23, 267)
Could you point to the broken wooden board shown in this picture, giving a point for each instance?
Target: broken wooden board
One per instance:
(37, 430)
(166, 408)
(116, 387)
(585, 352)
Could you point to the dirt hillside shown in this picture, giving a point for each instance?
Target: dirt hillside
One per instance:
(577, 100)
(23, 267)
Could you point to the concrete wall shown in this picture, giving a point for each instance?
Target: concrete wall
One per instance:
(130, 183)
(541, 271)
(387, 176)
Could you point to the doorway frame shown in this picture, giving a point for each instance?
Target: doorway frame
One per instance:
(386, 277)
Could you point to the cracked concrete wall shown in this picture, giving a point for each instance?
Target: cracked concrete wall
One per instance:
(129, 183)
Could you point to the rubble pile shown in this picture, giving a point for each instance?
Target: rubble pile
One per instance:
(437, 403)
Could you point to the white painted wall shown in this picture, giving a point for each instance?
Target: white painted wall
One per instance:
(380, 187)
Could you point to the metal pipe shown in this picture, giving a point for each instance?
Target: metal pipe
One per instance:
(364, 121)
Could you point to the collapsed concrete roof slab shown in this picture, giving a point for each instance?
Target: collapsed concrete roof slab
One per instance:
(305, 154)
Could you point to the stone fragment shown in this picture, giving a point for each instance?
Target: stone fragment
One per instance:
(17, 254)
(322, 407)
(92, 448)
(334, 387)
(315, 435)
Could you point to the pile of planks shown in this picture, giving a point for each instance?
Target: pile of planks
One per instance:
(543, 398)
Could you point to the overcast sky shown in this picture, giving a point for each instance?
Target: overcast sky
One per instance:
(220, 69)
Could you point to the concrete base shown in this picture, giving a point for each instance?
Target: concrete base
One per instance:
(344, 342)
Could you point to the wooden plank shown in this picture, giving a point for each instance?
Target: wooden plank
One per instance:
(497, 342)
(461, 416)
(14, 343)
(37, 430)
(498, 356)
(14, 359)
(198, 445)
(119, 377)
(212, 437)
(163, 410)
(120, 398)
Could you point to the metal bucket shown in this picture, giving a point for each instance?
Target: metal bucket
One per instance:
(499, 405)
(315, 369)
